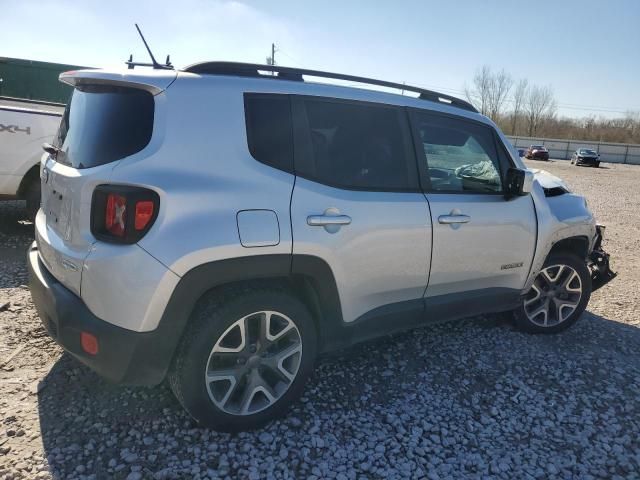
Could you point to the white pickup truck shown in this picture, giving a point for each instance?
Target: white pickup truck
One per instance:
(24, 126)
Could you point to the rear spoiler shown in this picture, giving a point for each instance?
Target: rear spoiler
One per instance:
(155, 81)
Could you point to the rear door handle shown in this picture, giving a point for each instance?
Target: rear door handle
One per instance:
(452, 219)
(324, 220)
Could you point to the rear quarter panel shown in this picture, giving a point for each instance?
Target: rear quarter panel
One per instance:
(205, 175)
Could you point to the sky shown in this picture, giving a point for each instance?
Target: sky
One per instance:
(587, 51)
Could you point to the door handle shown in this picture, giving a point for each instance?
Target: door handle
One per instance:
(452, 219)
(324, 220)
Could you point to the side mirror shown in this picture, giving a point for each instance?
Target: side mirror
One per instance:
(518, 182)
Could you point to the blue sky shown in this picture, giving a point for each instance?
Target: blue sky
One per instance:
(588, 51)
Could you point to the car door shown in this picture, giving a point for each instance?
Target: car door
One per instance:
(483, 242)
(357, 204)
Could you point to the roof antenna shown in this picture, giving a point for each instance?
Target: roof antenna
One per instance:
(131, 64)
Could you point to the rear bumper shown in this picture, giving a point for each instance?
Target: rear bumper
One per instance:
(124, 356)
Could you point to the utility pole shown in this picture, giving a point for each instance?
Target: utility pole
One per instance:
(272, 59)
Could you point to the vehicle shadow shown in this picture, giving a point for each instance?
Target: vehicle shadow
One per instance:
(477, 374)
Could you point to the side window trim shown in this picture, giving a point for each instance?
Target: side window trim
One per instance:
(503, 153)
(303, 150)
(421, 154)
(423, 161)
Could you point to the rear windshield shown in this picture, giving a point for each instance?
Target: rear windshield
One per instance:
(102, 124)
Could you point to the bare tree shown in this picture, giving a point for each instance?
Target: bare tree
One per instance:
(499, 87)
(519, 96)
(479, 93)
(539, 104)
(489, 91)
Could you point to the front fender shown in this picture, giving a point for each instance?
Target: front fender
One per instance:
(559, 217)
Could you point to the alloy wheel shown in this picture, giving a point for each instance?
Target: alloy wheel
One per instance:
(253, 363)
(554, 296)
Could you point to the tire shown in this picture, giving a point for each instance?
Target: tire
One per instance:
(33, 198)
(597, 165)
(215, 325)
(574, 305)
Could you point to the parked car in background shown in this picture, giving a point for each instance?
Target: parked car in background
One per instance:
(299, 219)
(586, 156)
(24, 126)
(537, 152)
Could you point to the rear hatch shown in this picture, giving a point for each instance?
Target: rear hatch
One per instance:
(107, 119)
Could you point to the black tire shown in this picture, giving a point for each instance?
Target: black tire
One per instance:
(597, 165)
(522, 321)
(33, 198)
(211, 317)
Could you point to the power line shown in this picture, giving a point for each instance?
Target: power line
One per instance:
(288, 56)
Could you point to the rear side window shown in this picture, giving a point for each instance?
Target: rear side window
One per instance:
(102, 124)
(460, 155)
(269, 129)
(356, 145)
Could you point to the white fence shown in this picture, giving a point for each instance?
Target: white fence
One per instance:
(563, 149)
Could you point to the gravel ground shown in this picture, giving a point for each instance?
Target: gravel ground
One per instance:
(471, 399)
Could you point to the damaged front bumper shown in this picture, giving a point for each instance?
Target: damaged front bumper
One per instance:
(598, 263)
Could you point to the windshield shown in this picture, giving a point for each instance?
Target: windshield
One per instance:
(586, 151)
(102, 124)
(537, 147)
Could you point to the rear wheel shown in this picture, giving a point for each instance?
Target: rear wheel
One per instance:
(558, 296)
(32, 196)
(244, 359)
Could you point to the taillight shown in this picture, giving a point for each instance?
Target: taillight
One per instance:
(115, 214)
(144, 214)
(123, 214)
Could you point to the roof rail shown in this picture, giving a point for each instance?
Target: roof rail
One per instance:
(289, 73)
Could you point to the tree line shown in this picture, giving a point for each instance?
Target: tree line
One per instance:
(521, 108)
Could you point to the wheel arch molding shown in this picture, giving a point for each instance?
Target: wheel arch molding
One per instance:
(578, 245)
(309, 278)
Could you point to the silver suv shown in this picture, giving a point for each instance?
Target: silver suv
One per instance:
(225, 224)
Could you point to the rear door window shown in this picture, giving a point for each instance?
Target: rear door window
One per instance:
(356, 145)
(102, 124)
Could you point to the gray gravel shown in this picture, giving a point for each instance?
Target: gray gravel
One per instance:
(472, 399)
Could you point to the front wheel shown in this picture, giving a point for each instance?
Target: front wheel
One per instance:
(244, 358)
(558, 296)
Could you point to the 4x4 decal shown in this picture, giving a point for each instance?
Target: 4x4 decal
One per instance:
(14, 129)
